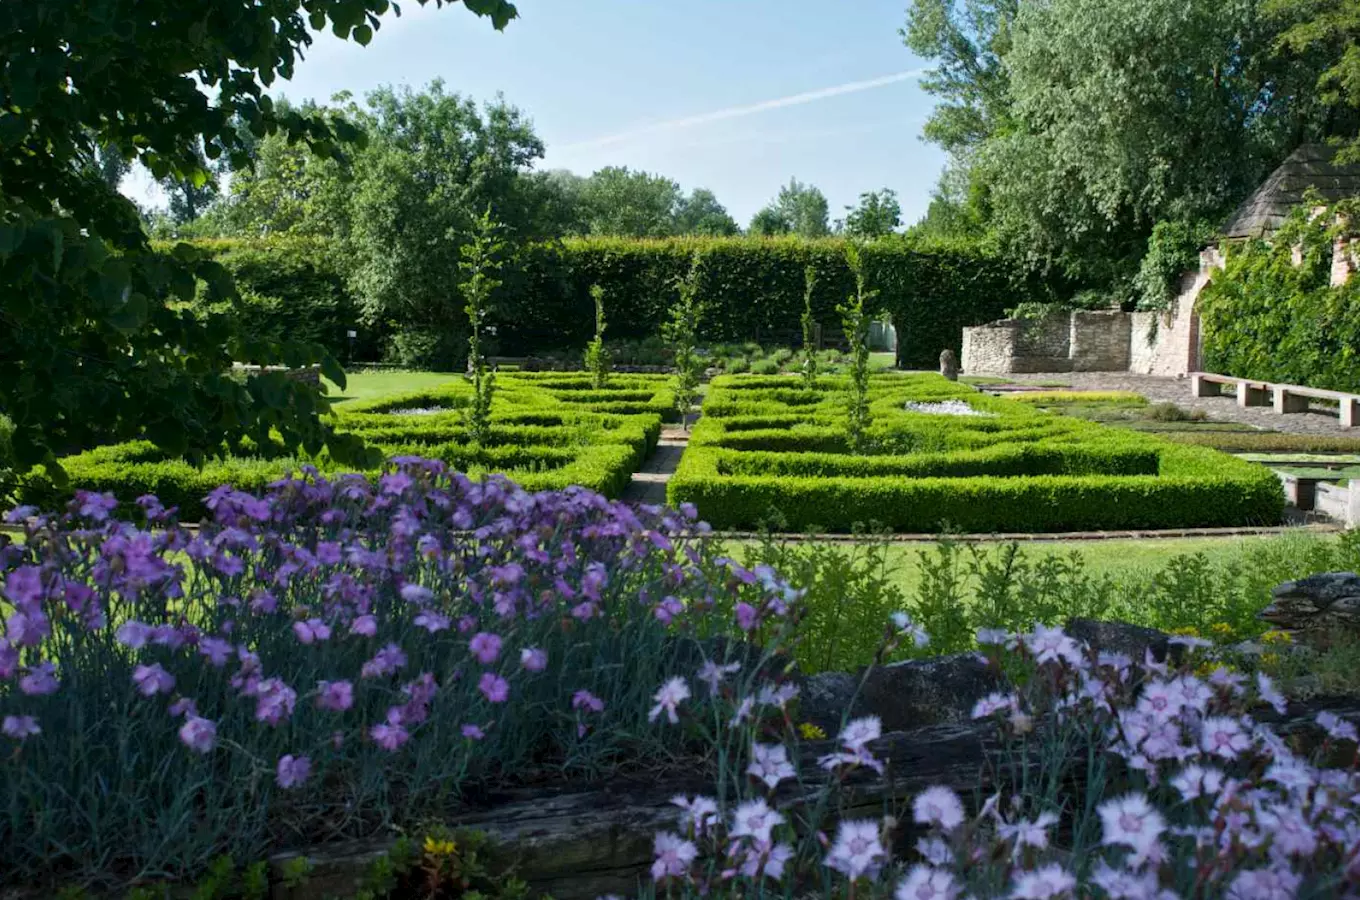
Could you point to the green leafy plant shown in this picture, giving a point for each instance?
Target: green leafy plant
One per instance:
(480, 264)
(597, 356)
(809, 323)
(682, 333)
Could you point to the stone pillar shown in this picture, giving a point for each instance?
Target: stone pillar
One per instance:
(949, 366)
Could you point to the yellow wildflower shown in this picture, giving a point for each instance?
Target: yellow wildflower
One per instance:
(1221, 630)
(440, 848)
(811, 732)
(1277, 637)
(1270, 659)
(1186, 631)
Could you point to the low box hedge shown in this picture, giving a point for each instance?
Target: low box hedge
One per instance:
(770, 452)
(1194, 488)
(536, 440)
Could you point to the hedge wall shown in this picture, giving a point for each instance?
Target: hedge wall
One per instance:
(753, 288)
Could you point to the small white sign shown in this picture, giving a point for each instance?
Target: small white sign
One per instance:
(352, 333)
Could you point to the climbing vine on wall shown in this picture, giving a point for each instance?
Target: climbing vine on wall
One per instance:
(1273, 314)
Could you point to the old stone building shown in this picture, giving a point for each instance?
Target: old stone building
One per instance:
(1163, 343)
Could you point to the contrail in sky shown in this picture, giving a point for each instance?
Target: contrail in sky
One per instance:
(736, 112)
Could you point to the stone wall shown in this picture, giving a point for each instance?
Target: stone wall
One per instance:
(1015, 346)
(1345, 255)
(1168, 343)
(1099, 341)
(1085, 341)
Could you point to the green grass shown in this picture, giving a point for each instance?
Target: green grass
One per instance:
(375, 384)
(1136, 558)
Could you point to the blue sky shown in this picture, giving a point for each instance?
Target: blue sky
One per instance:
(670, 87)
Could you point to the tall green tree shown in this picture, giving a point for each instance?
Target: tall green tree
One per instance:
(94, 348)
(701, 213)
(190, 197)
(799, 209)
(968, 42)
(877, 214)
(1326, 32)
(769, 222)
(1079, 125)
(433, 164)
(287, 188)
(626, 203)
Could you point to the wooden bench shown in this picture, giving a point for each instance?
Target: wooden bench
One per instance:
(1286, 398)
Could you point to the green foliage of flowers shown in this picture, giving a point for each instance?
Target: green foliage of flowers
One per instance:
(769, 451)
(1267, 318)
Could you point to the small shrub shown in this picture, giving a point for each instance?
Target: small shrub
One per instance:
(1170, 412)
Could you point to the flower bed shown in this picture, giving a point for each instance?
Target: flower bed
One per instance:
(332, 659)
(336, 659)
(769, 450)
(539, 439)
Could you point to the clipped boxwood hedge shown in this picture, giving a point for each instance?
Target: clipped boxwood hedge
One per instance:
(776, 454)
(536, 439)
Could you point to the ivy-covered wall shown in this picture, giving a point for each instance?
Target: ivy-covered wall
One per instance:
(1266, 316)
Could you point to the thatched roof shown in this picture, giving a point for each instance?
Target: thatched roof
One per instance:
(1310, 166)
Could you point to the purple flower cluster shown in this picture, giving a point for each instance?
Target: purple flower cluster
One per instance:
(1190, 796)
(319, 630)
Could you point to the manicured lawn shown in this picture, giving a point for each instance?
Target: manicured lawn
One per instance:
(375, 384)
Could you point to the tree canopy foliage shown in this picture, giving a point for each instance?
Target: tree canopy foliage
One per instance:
(1075, 127)
(799, 209)
(877, 214)
(96, 345)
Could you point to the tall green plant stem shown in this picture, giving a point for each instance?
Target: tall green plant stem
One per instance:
(481, 264)
(856, 324)
(682, 333)
(597, 357)
(809, 327)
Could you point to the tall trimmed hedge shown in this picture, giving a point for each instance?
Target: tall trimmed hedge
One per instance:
(753, 288)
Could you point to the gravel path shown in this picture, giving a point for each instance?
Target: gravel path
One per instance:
(649, 484)
(1177, 391)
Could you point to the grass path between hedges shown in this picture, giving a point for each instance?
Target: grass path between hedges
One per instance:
(371, 385)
